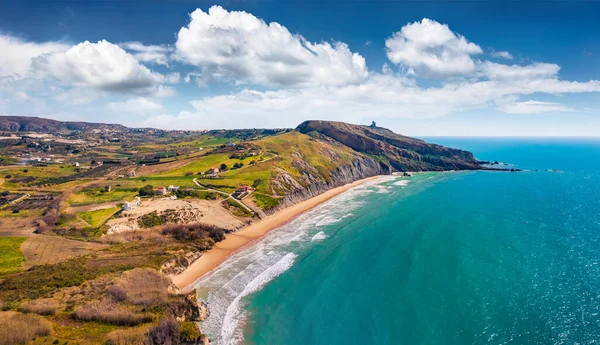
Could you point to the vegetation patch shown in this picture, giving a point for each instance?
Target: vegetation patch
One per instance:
(11, 258)
(98, 217)
(98, 195)
(265, 202)
(20, 328)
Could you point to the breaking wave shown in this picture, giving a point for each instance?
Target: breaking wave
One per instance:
(248, 271)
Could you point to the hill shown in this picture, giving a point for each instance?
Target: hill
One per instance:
(400, 152)
(38, 124)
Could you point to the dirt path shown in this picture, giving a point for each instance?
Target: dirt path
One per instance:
(226, 194)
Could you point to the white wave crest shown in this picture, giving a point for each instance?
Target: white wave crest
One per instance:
(319, 236)
(230, 333)
(402, 183)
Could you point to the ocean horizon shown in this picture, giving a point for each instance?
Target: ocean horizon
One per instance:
(477, 257)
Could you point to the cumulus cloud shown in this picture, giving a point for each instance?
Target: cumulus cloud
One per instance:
(101, 65)
(239, 47)
(431, 49)
(17, 55)
(157, 54)
(139, 105)
(502, 54)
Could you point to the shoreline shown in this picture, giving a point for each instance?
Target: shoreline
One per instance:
(236, 241)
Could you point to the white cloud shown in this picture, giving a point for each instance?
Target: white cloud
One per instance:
(239, 47)
(158, 54)
(382, 96)
(502, 54)
(17, 55)
(534, 107)
(101, 65)
(431, 49)
(139, 105)
(515, 72)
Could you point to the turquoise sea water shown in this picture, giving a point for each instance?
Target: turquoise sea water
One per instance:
(439, 258)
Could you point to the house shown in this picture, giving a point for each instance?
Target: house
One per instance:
(172, 188)
(131, 205)
(213, 171)
(107, 188)
(242, 192)
(76, 164)
(131, 173)
(160, 191)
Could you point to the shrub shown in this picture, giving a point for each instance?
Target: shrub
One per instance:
(190, 332)
(145, 287)
(108, 311)
(117, 293)
(150, 220)
(20, 328)
(166, 333)
(223, 167)
(135, 336)
(189, 173)
(147, 190)
(41, 306)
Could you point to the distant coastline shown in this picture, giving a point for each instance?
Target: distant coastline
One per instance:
(186, 280)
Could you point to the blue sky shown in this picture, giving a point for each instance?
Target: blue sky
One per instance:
(420, 68)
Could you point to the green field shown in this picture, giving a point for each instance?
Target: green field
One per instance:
(38, 172)
(98, 217)
(201, 164)
(97, 196)
(22, 213)
(11, 257)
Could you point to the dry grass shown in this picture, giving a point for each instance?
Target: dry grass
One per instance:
(108, 311)
(145, 287)
(132, 236)
(20, 328)
(44, 306)
(133, 336)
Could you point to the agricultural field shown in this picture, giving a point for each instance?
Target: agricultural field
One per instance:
(17, 177)
(11, 258)
(97, 217)
(97, 195)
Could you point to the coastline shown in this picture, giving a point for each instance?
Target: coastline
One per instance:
(233, 242)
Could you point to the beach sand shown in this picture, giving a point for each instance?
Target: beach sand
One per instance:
(235, 241)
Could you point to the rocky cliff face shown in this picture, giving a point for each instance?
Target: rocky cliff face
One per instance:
(400, 152)
(361, 167)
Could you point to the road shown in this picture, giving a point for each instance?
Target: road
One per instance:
(226, 194)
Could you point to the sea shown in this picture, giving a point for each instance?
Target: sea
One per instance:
(477, 257)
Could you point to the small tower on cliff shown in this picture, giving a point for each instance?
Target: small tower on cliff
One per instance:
(373, 124)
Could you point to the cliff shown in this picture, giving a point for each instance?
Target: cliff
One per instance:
(400, 152)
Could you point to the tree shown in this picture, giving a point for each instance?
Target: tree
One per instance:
(238, 165)
(147, 190)
(223, 167)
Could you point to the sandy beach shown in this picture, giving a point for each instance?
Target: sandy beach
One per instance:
(236, 241)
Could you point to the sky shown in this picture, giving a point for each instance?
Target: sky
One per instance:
(450, 68)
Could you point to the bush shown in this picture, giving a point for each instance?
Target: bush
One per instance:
(189, 173)
(147, 190)
(21, 328)
(135, 336)
(117, 293)
(145, 287)
(190, 332)
(166, 333)
(41, 307)
(223, 167)
(150, 220)
(108, 311)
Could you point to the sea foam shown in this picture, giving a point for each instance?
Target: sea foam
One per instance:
(249, 270)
